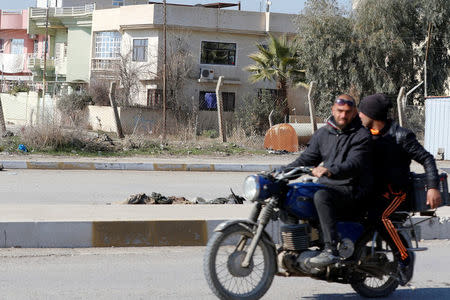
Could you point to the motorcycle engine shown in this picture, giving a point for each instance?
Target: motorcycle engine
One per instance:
(295, 237)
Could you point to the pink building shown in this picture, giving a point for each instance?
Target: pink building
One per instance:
(17, 47)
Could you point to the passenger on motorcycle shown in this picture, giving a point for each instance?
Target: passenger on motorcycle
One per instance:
(393, 149)
(343, 146)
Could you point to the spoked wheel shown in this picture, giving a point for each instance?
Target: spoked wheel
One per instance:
(378, 256)
(222, 265)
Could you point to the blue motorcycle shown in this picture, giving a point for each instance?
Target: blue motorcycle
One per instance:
(242, 259)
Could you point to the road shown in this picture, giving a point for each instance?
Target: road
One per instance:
(175, 273)
(101, 187)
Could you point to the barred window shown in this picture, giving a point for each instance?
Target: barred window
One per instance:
(218, 53)
(107, 44)
(140, 49)
(154, 98)
(208, 101)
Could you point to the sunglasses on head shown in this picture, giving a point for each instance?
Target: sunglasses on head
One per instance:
(340, 101)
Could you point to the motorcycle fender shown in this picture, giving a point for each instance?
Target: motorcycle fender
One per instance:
(247, 225)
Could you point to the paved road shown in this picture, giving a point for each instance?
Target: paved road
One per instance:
(100, 187)
(174, 273)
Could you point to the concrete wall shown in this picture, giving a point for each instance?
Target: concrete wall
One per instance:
(21, 109)
(78, 53)
(145, 120)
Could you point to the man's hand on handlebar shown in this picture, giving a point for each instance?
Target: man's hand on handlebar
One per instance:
(321, 171)
(434, 198)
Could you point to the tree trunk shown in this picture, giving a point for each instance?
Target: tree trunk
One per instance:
(282, 99)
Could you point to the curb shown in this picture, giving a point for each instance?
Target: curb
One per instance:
(39, 165)
(86, 234)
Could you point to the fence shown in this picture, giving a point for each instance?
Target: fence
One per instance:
(245, 124)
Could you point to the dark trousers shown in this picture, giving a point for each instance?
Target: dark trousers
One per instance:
(333, 203)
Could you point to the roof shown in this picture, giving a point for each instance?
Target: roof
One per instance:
(208, 5)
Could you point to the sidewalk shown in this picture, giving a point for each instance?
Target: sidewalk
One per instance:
(145, 225)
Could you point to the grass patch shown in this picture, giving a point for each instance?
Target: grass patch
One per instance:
(54, 140)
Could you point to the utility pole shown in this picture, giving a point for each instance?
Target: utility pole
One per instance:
(44, 74)
(164, 68)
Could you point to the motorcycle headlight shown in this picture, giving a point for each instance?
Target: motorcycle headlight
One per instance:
(251, 188)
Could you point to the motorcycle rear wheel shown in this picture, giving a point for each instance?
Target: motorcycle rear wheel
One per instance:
(222, 265)
(371, 286)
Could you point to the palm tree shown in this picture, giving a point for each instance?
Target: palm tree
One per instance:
(279, 62)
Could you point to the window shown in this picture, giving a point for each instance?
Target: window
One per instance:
(17, 46)
(272, 93)
(154, 98)
(208, 101)
(117, 2)
(1, 45)
(140, 49)
(218, 53)
(35, 47)
(107, 44)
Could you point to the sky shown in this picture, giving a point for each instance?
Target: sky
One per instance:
(281, 6)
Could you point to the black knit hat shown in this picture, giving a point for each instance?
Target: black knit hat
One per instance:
(375, 106)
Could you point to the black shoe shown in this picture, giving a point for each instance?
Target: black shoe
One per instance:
(405, 269)
(327, 257)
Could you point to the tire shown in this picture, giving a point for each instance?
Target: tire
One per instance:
(263, 262)
(367, 285)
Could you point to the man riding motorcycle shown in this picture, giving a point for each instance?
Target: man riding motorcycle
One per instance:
(393, 149)
(343, 146)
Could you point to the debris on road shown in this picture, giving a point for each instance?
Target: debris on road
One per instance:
(157, 198)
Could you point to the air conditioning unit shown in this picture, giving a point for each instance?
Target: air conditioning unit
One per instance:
(32, 36)
(206, 73)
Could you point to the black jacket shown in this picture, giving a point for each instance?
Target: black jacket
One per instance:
(345, 153)
(394, 148)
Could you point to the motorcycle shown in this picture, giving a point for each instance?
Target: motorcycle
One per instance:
(241, 258)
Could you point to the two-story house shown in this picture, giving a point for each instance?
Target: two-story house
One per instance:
(218, 42)
(17, 47)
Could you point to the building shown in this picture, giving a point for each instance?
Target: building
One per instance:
(100, 4)
(218, 42)
(17, 47)
(69, 38)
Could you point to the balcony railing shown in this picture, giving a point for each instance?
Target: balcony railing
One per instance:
(104, 64)
(38, 63)
(36, 12)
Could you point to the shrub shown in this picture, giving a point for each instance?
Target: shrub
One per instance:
(99, 91)
(71, 105)
(21, 87)
(253, 113)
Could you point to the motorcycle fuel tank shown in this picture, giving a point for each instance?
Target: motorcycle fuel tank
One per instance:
(299, 200)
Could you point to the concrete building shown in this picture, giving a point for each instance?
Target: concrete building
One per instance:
(100, 4)
(69, 38)
(218, 41)
(17, 47)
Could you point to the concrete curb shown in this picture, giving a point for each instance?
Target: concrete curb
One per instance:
(198, 167)
(85, 234)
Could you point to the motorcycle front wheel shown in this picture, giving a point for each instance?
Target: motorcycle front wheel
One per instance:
(226, 277)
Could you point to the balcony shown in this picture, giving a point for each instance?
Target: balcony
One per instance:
(36, 12)
(104, 64)
(38, 63)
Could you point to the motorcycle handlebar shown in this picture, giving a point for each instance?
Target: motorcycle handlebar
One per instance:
(292, 173)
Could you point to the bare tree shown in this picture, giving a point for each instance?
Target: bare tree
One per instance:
(180, 65)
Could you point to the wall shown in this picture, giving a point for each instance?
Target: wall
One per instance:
(78, 53)
(21, 109)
